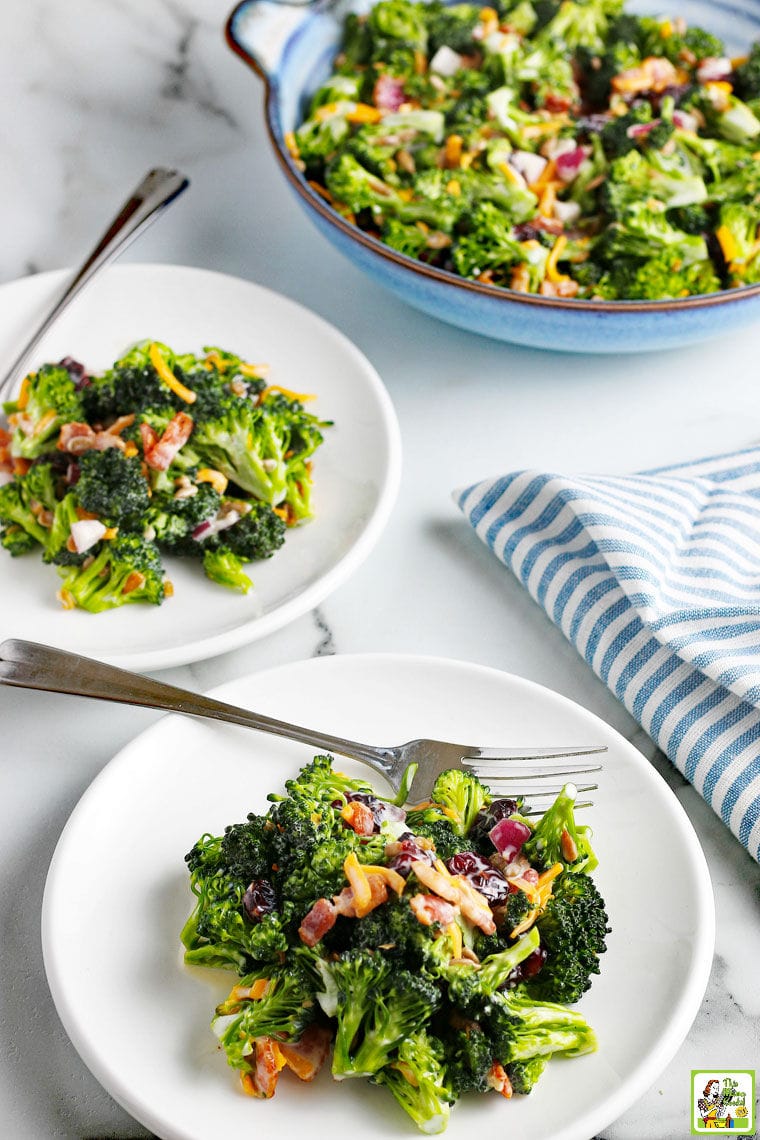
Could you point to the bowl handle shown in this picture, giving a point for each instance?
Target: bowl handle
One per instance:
(259, 29)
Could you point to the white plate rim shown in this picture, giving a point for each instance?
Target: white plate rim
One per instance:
(312, 595)
(592, 1122)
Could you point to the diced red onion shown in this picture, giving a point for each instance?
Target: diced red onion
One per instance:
(638, 130)
(570, 162)
(212, 526)
(389, 93)
(508, 836)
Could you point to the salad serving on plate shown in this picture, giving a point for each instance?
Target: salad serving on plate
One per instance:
(170, 453)
(564, 149)
(436, 949)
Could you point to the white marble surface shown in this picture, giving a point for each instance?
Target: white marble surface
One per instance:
(95, 92)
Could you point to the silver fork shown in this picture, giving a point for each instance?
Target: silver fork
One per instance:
(28, 665)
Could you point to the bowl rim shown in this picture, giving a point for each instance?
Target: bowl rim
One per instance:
(443, 277)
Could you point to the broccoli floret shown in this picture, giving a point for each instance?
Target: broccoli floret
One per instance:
(410, 240)
(221, 932)
(16, 540)
(471, 988)
(580, 24)
(637, 177)
(256, 535)
(432, 823)
(262, 449)
(464, 795)
(645, 232)
(378, 1007)
(522, 1028)
(41, 483)
(524, 1074)
(469, 1057)
(726, 115)
(225, 568)
(658, 277)
(691, 219)
(124, 570)
(337, 89)
(321, 874)
(49, 399)
(112, 486)
(172, 520)
(282, 1012)
(451, 26)
(746, 77)
(419, 1081)
(737, 233)
(57, 545)
(489, 245)
(615, 136)
(319, 137)
(399, 20)
(15, 513)
(573, 929)
(244, 849)
(545, 846)
(598, 71)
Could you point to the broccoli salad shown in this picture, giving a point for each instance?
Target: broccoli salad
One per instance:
(558, 147)
(163, 453)
(436, 950)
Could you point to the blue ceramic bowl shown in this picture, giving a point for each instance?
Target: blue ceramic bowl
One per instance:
(291, 48)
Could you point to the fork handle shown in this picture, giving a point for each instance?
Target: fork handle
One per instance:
(158, 188)
(28, 665)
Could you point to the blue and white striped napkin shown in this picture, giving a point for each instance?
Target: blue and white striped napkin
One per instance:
(655, 579)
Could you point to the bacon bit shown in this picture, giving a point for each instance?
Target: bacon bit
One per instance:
(363, 113)
(66, 598)
(210, 475)
(165, 373)
(306, 1056)
(429, 909)
(134, 581)
(568, 846)
(149, 436)
(21, 466)
(160, 452)
(76, 438)
(497, 1079)
(266, 1062)
(317, 922)
(304, 397)
(359, 817)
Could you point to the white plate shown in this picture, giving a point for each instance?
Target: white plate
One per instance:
(356, 470)
(117, 896)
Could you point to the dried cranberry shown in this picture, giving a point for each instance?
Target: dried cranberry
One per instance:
(527, 969)
(407, 851)
(478, 871)
(259, 899)
(76, 371)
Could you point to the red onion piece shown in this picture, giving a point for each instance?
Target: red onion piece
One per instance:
(508, 836)
(389, 93)
(685, 121)
(569, 163)
(713, 69)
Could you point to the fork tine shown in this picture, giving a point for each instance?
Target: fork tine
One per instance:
(552, 773)
(531, 794)
(584, 804)
(530, 754)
